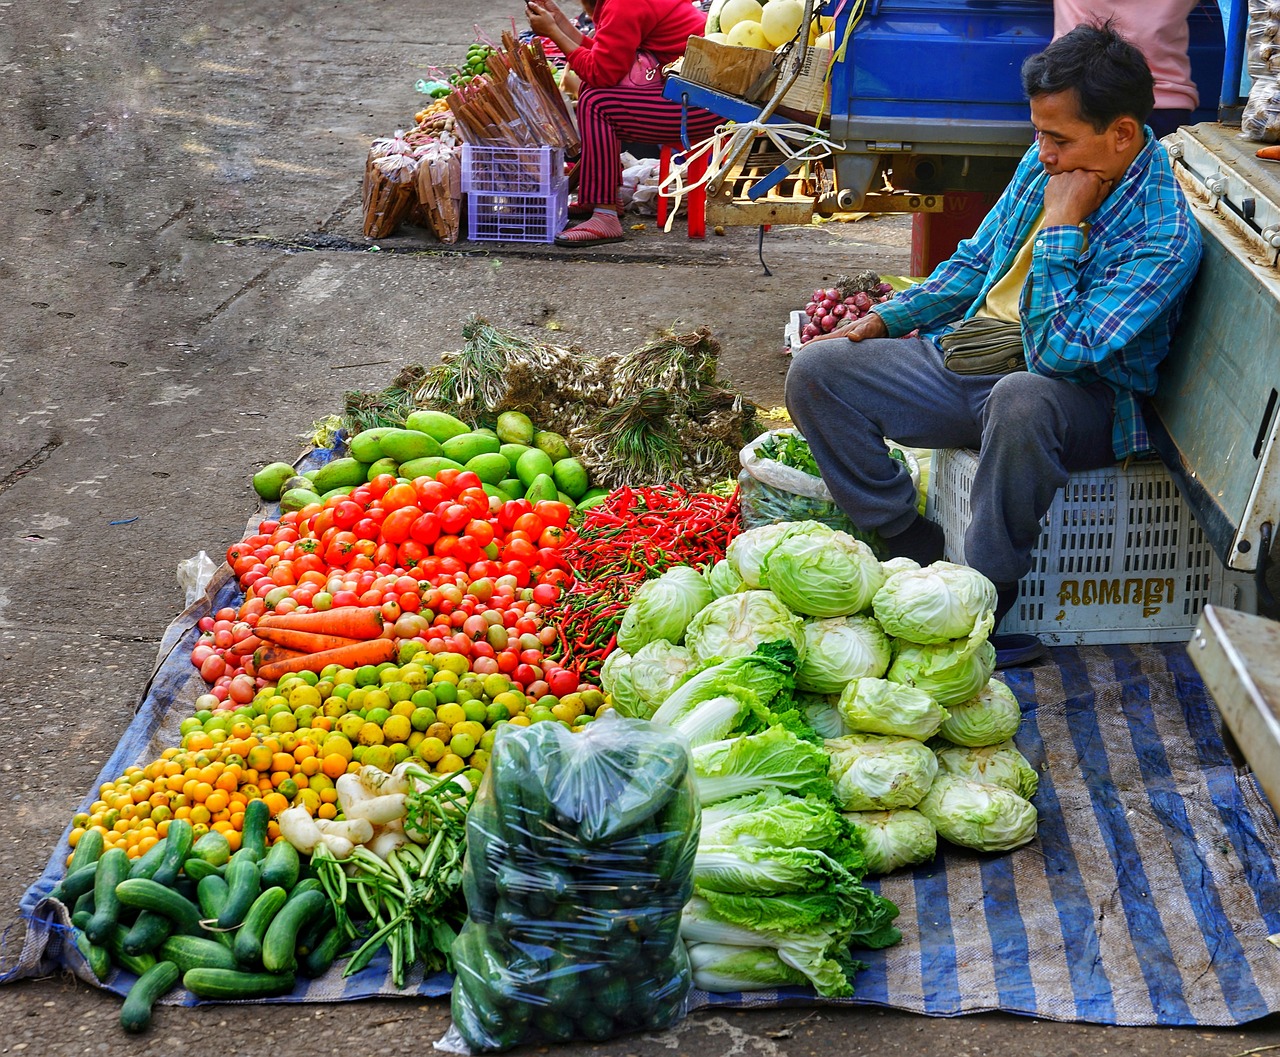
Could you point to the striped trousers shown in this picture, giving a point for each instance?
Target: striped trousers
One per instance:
(609, 117)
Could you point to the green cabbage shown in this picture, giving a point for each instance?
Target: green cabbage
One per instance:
(773, 759)
(723, 578)
(893, 566)
(662, 608)
(839, 649)
(935, 604)
(949, 672)
(874, 772)
(615, 679)
(992, 715)
(868, 918)
(877, 706)
(977, 815)
(657, 669)
(734, 625)
(823, 572)
(1000, 764)
(822, 716)
(893, 839)
(748, 552)
(755, 681)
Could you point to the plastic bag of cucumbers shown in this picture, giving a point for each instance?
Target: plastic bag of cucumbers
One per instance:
(579, 860)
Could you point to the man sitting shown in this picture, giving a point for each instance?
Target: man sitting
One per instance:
(1072, 284)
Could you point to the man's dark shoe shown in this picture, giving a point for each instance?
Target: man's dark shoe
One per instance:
(922, 541)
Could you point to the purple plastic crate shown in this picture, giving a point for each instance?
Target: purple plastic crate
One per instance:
(512, 170)
(517, 217)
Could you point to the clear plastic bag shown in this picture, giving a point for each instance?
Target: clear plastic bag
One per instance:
(771, 492)
(579, 861)
(1261, 118)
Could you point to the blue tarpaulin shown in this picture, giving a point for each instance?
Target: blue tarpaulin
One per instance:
(1148, 898)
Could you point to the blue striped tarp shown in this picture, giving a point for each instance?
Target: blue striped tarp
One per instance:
(1148, 897)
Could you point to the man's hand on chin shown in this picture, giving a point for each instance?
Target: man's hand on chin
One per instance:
(1071, 196)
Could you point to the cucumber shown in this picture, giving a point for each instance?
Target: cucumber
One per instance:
(313, 932)
(281, 939)
(211, 895)
(148, 932)
(280, 866)
(84, 904)
(178, 843)
(213, 848)
(149, 862)
(253, 835)
(135, 1015)
(113, 868)
(74, 885)
(134, 963)
(87, 852)
(244, 886)
(321, 958)
(99, 958)
(199, 869)
(151, 895)
(231, 984)
(81, 918)
(193, 952)
(248, 943)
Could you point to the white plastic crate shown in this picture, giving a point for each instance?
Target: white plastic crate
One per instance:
(513, 170)
(795, 324)
(516, 218)
(1120, 557)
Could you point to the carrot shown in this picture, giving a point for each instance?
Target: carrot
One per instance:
(270, 653)
(351, 622)
(305, 641)
(374, 651)
(246, 646)
(1270, 153)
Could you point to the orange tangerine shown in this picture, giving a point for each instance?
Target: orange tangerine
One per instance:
(277, 803)
(334, 765)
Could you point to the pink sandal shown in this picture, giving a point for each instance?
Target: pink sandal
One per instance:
(594, 232)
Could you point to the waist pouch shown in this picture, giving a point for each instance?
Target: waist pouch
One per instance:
(982, 345)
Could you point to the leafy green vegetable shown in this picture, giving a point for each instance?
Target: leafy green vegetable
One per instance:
(949, 672)
(662, 608)
(877, 706)
(774, 758)
(791, 449)
(754, 680)
(748, 553)
(723, 578)
(765, 871)
(772, 819)
(840, 649)
(821, 572)
(734, 625)
(873, 772)
(720, 967)
(893, 839)
(934, 604)
(991, 716)
(977, 815)
(1000, 764)
(656, 670)
(615, 678)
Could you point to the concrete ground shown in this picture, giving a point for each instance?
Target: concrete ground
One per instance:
(167, 172)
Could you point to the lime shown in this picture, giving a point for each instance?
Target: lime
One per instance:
(398, 691)
(424, 698)
(462, 745)
(377, 701)
(379, 756)
(370, 734)
(366, 675)
(496, 713)
(422, 718)
(431, 749)
(445, 692)
(397, 728)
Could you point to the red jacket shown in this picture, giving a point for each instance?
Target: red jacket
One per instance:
(624, 27)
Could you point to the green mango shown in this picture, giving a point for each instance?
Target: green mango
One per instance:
(571, 476)
(553, 444)
(269, 481)
(405, 445)
(436, 424)
(384, 465)
(367, 444)
(339, 472)
(490, 467)
(533, 463)
(542, 487)
(515, 427)
(297, 498)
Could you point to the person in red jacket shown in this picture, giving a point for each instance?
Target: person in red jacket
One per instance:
(617, 102)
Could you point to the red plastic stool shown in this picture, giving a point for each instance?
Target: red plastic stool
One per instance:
(695, 201)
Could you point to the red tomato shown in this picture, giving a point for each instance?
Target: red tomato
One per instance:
(386, 556)
(361, 495)
(381, 484)
(410, 601)
(545, 594)
(553, 512)
(552, 536)
(398, 525)
(519, 550)
(430, 491)
(480, 531)
(509, 511)
(452, 565)
(391, 611)
(412, 554)
(447, 477)
(524, 674)
(365, 548)
(347, 513)
(265, 528)
(366, 529)
(508, 662)
(345, 598)
(455, 517)
(483, 570)
(426, 529)
(399, 495)
(445, 546)
(519, 570)
(530, 524)
(467, 550)
(562, 682)
(476, 500)
(467, 479)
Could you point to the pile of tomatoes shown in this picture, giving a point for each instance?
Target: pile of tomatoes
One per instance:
(450, 568)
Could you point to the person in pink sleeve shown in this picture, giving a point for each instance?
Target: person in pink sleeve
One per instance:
(1158, 29)
(618, 103)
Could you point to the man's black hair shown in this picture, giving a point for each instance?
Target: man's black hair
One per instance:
(1110, 77)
